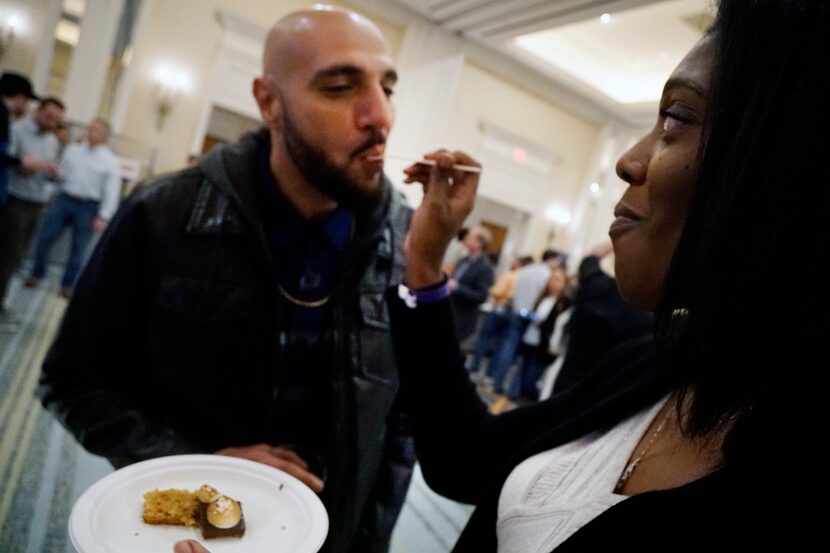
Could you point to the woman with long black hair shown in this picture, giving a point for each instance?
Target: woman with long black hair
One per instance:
(706, 437)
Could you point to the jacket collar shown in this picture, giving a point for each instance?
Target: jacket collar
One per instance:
(230, 173)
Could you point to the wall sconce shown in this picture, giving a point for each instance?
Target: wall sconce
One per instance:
(170, 84)
(558, 216)
(8, 28)
(596, 191)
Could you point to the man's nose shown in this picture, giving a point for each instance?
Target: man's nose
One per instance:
(374, 110)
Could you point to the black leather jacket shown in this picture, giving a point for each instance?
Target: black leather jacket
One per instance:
(178, 311)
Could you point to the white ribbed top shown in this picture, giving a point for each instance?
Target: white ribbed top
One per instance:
(551, 495)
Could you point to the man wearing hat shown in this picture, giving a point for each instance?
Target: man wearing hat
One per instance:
(15, 93)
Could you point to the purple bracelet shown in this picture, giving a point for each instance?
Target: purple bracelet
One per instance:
(430, 295)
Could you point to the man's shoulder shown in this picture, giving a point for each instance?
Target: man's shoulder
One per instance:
(73, 149)
(23, 128)
(532, 271)
(170, 190)
(400, 212)
(111, 158)
(24, 123)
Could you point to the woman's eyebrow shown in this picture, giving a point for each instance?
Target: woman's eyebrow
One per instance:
(683, 82)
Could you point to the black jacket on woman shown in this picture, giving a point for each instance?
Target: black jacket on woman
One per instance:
(466, 453)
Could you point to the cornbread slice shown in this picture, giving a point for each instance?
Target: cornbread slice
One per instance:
(176, 507)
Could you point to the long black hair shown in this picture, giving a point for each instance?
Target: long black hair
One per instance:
(749, 358)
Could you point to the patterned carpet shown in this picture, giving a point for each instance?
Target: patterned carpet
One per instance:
(43, 471)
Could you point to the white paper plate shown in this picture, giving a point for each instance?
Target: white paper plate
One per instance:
(107, 517)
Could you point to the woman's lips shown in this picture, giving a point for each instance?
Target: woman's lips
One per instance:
(626, 218)
(621, 224)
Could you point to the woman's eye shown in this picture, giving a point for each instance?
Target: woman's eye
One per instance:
(673, 120)
(670, 123)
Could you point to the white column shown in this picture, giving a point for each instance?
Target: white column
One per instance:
(90, 59)
(46, 47)
(124, 92)
(429, 64)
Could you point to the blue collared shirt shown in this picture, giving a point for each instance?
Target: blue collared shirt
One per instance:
(29, 139)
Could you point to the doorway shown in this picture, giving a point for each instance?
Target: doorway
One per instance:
(226, 126)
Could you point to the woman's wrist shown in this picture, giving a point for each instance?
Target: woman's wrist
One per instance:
(420, 275)
(431, 294)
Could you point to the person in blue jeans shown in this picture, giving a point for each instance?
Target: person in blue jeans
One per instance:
(530, 283)
(89, 196)
(495, 322)
(533, 353)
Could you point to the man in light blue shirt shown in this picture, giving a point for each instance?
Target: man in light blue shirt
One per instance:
(88, 198)
(29, 188)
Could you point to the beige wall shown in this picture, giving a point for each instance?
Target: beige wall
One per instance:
(482, 96)
(186, 33)
(33, 16)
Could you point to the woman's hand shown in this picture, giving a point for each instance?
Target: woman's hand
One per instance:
(449, 196)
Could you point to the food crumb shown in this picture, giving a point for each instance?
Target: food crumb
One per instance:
(135, 534)
(281, 485)
(283, 527)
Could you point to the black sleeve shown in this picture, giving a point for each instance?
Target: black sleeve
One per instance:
(98, 354)
(460, 445)
(6, 160)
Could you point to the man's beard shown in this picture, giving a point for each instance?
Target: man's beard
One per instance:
(323, 174)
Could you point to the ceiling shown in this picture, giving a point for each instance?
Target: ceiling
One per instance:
(618, 62)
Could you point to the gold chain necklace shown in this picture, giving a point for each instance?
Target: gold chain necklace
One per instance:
(302, 303)
(632, 465)
(325, 299)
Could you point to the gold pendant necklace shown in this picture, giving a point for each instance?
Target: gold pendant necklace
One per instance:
(325, 299)
(632, 465)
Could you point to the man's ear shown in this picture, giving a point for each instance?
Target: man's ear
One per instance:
(269, 105)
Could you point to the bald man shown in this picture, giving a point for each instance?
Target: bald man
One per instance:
(237, 307)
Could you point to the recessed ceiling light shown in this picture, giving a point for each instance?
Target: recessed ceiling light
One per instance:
(605, 18)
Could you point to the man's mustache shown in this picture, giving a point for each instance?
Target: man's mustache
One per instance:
(374, 139)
